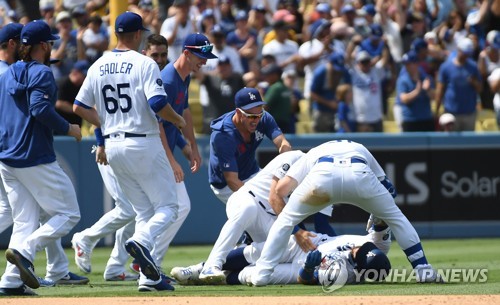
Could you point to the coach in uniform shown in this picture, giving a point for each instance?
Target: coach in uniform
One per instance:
(129, 94)
(35, 183)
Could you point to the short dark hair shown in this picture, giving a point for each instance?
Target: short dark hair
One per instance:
(156, 40)
(95, 19)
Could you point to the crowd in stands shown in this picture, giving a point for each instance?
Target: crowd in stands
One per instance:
(346, 58)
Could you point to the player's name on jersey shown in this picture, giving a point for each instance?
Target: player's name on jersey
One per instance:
(115, 68)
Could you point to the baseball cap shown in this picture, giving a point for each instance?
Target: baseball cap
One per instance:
(46, 4)
(129, 22)
(146, 4)
(10, 31)
(270, 69)
(493, 39)
(63, 15)
(199, 45)
(35, 32)
(376, 30)
(348, 8)
(82, 66)
(418, 44)
(217, 29)
(409, 57)
(430, 35)
(466, 46)
(248, 98)
(369, 9)
(369, 257)
(446, 118)
(323, 8)
(207, 13)
(78, 11)
(362, 56)
(259, 8)
(337, 60)
(241, 15)
(318, 26)
(223, 59)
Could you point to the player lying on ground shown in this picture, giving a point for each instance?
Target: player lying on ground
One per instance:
(295, 266)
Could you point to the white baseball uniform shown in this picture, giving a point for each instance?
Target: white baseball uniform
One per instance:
(293, 258)
(248, 209)
(124, 82)
(333, 173)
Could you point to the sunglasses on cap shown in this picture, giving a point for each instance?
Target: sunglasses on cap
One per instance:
(203, 49)
(251, 115)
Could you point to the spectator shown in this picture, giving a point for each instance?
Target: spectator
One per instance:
(374, 44)
(414, 93)
(68, 90)
(324, 84)
(284, 49)
(221, 88)
(47, 10)
(206, 21)
(176, 28)
(277, 97)
(314, 52)
(392, 28)
(367, 93)
(346, 118)
(94, 39)
(415, 27)
(489, 60)
(287, 18)
(459, 82)
(452, 31)
(258, 22)
(290, 79)
(225, 17)
(243, 40)
(348, 14)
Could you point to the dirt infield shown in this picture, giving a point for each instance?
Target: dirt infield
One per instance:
(312, 300)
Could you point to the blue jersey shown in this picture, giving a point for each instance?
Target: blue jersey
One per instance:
(373, 50)
(177, 96)
(230, 153)
(3, 66)
(236, 42)
(28, 94)
(320, 86)
(420, 108)
(459, 97)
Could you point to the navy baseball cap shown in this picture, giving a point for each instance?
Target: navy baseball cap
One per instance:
(82, 66)
(10, 31)
(129, 22)
(409, 57)
(318, 26)
(369, 9)
(418, 44)
(199, 45)
(248, 98)
(376, 30)
(338, 61)
(241, 15)
(35, 32)
(369, 257)
(271, 69)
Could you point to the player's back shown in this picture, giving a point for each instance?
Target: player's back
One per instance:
(122, 82)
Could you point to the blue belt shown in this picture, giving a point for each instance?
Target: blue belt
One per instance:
(129, 135)
(261, 204)
(330, 160)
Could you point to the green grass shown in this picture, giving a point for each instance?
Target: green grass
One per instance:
(456, 253)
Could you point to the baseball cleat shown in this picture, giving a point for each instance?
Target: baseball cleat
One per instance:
(212, 275)
(424, 273)
(82, 258)
(25, 266)
(125, 276)
(46, 282)
(187, 275)
(19, 291)
(72, 279)
(146, 262)
(163, 285)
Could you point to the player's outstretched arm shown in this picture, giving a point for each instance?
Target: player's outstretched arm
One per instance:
(87, 113)
(306, 273)
(286, 186)
(75, 132)
(169, 114)
(282, 144)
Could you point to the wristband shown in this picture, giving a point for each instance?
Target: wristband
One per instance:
(295, 229)
(99, 137)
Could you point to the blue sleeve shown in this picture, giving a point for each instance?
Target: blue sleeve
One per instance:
(225, 148)
(157, 103)
(342, 111)
(402, 86)
(442, 74)
(318, 81)
(186, 104)
(181, 142)
(270, 126)
(78, 103)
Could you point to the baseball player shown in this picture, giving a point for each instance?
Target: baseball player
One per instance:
(129, 93)
(339, 172)
(249, 209)
(36, 186)
(297, 266)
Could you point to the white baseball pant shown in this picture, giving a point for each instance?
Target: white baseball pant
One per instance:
(332, 183)
(30, 190)
(224, 193)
